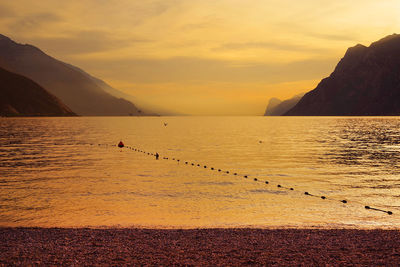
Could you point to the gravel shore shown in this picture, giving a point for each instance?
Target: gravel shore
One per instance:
(210, 247)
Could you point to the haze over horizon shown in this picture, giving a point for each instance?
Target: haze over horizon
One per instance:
(202, 57)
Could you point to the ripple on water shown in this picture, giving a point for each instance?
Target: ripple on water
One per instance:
(50, 175)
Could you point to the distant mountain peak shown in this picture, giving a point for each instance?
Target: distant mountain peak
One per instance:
(274, 101)
(277, 107)
(272, 104)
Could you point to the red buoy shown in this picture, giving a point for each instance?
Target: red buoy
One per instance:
(120, 144)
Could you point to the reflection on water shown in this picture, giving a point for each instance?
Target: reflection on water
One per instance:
(370, 143)
(50, 175)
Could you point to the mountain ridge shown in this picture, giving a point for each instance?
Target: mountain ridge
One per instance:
(278, 108)
(272, 104)
(365, 82)
(76, 90)
(20, 96)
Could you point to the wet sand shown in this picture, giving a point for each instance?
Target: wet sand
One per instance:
(82, 246)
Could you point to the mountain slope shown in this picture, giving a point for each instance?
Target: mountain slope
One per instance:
(280, 108)
(20, 96)
(143, 107)
(366, 81)
(272, 104)
(76, 90)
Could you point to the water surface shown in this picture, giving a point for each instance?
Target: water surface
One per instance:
(54, 173)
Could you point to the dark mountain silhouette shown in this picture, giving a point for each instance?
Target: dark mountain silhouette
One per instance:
(20, 96)
(366, 81)
(75, 89)
(277, 107)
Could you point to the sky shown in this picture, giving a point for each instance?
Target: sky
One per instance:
(202, 57)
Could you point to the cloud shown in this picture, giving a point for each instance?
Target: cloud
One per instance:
(269, 45)
(88, 41)
(209, 21)
(195, 70)
(34, 21)
(160, 7)
(6, 12)
(335, 37)
(196, 26)
(135, 12)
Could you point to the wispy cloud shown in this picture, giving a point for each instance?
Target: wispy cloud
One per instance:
(6, 12)
(137, 12)
(268, 45)
(87, 41)
(185, 69)
(33, 21)
(335, 37)
(210, 21)
(196, 26)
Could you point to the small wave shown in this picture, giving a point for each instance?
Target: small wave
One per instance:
(217, 183)
(266, 191)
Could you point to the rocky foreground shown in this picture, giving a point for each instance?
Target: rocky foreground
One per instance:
(54, 246)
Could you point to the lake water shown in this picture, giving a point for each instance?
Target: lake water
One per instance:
(53, 172)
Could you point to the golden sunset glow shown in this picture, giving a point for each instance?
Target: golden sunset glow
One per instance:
(202, 57)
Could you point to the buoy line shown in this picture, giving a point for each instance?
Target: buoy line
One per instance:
(189, 163)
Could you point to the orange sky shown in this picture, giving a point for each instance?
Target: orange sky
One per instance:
(203, 57)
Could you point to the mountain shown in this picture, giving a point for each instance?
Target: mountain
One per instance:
(365, 82)
(277, 107)
(272, 104)
(146, 108)
(143, 108)
(20, 96)
(75, 89)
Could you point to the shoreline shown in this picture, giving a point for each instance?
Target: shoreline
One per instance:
(189, 228)
(218, 246)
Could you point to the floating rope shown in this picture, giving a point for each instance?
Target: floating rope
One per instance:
(344, 201)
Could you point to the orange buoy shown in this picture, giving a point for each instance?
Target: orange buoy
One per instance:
(120, 144)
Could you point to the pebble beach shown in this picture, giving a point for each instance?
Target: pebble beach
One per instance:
(209, 247)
